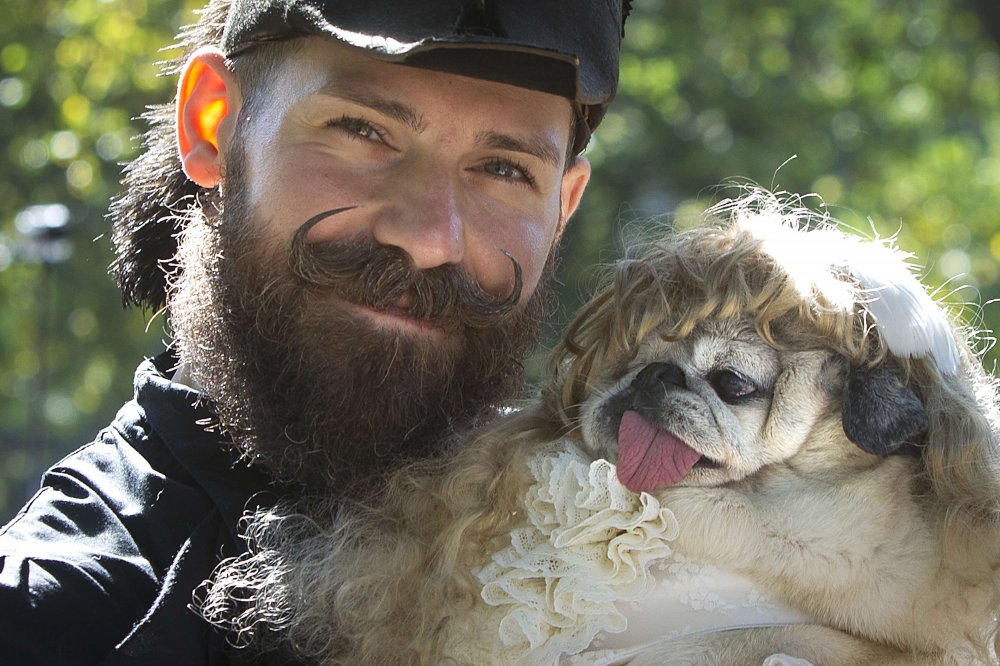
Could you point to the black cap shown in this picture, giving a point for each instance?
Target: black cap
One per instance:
(565, 47)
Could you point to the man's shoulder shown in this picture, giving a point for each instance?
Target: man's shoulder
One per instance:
(88, 551)
(120, 496)
(115, 526)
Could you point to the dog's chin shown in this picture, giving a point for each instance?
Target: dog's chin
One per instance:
(707, 473)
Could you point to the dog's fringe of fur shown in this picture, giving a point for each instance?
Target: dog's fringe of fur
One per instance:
(374, 588)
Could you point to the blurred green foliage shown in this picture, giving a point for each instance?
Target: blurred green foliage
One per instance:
(892, 109)
(74, 77)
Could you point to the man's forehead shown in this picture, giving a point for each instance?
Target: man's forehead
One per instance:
(332, 64)
(322, 69)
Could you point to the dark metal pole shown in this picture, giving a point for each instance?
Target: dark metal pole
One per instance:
(44, 231)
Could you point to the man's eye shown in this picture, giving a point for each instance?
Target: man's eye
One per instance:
(731, 386)
(508, 170)
(357, 128)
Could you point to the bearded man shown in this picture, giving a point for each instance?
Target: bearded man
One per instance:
(348, 213)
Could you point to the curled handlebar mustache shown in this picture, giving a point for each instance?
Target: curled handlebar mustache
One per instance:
(378, 276)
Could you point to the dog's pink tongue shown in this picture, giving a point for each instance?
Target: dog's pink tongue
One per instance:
(649, 458)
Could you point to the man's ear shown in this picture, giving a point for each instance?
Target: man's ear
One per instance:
(574, 182)
(208, 101)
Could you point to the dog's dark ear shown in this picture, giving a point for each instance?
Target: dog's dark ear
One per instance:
(880, 412)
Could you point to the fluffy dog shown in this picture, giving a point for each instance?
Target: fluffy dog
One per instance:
(762, 437)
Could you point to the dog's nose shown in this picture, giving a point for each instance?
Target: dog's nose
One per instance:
(659, 374)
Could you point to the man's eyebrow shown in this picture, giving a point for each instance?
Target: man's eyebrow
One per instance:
(398, 111)
(539, 147)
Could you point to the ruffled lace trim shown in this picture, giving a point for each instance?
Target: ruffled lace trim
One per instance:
(589, 542)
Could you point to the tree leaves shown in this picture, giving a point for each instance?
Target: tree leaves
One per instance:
(891, 107)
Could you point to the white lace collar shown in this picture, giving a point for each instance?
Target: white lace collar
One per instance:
(591, 577)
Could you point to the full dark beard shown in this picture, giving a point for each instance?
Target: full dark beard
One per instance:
(314, 393)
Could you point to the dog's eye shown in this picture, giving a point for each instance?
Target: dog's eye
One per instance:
(731, 386)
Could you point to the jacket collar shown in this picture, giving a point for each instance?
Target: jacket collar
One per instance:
(180, 416)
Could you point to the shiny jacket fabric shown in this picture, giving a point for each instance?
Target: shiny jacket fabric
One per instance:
(99, 566)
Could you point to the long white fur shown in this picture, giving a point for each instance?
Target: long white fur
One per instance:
(910, 322)
(911, 325)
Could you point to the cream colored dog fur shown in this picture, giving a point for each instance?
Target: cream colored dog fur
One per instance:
(845, 443)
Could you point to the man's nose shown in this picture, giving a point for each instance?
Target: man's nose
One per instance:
(424, 218)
